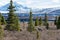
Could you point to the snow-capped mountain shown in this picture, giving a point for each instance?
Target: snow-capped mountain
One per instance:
(49, 10)
(18, 7)
(24, 9)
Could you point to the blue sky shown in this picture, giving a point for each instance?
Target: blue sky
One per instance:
(35, 3)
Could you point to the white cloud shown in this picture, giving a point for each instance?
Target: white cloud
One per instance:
(35, 3)
(3, 2)
(56, 1)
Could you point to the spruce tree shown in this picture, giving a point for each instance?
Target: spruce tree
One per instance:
(40, 21)
(37, 22)
(58, 23)
(1, 31)
(55, 22)
(2, 19)
(30, 24)
(17, 25)
(47, 26)
(12, 19)
(45, 20)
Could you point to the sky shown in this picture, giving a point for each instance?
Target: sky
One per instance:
(35, 3)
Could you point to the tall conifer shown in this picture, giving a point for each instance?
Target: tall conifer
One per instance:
(45, 20)
(37, 22)
(2, 19)
(40, 21)
(1, 31)
(12, 23)
(31, 24)
(55, 21)
(58, 23)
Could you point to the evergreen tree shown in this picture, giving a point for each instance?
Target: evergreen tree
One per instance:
(45, 20)
(1, 31)
(31, 25)
(55, 22)
(12, 23)
(17, 25)
(40, 21)
(58, 23)
(47, 26)
(2, 19)
(37, 22)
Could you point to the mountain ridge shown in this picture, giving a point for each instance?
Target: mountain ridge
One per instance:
(18, 7)
(25, 9)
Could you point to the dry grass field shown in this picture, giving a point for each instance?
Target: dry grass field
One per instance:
(51, 34)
